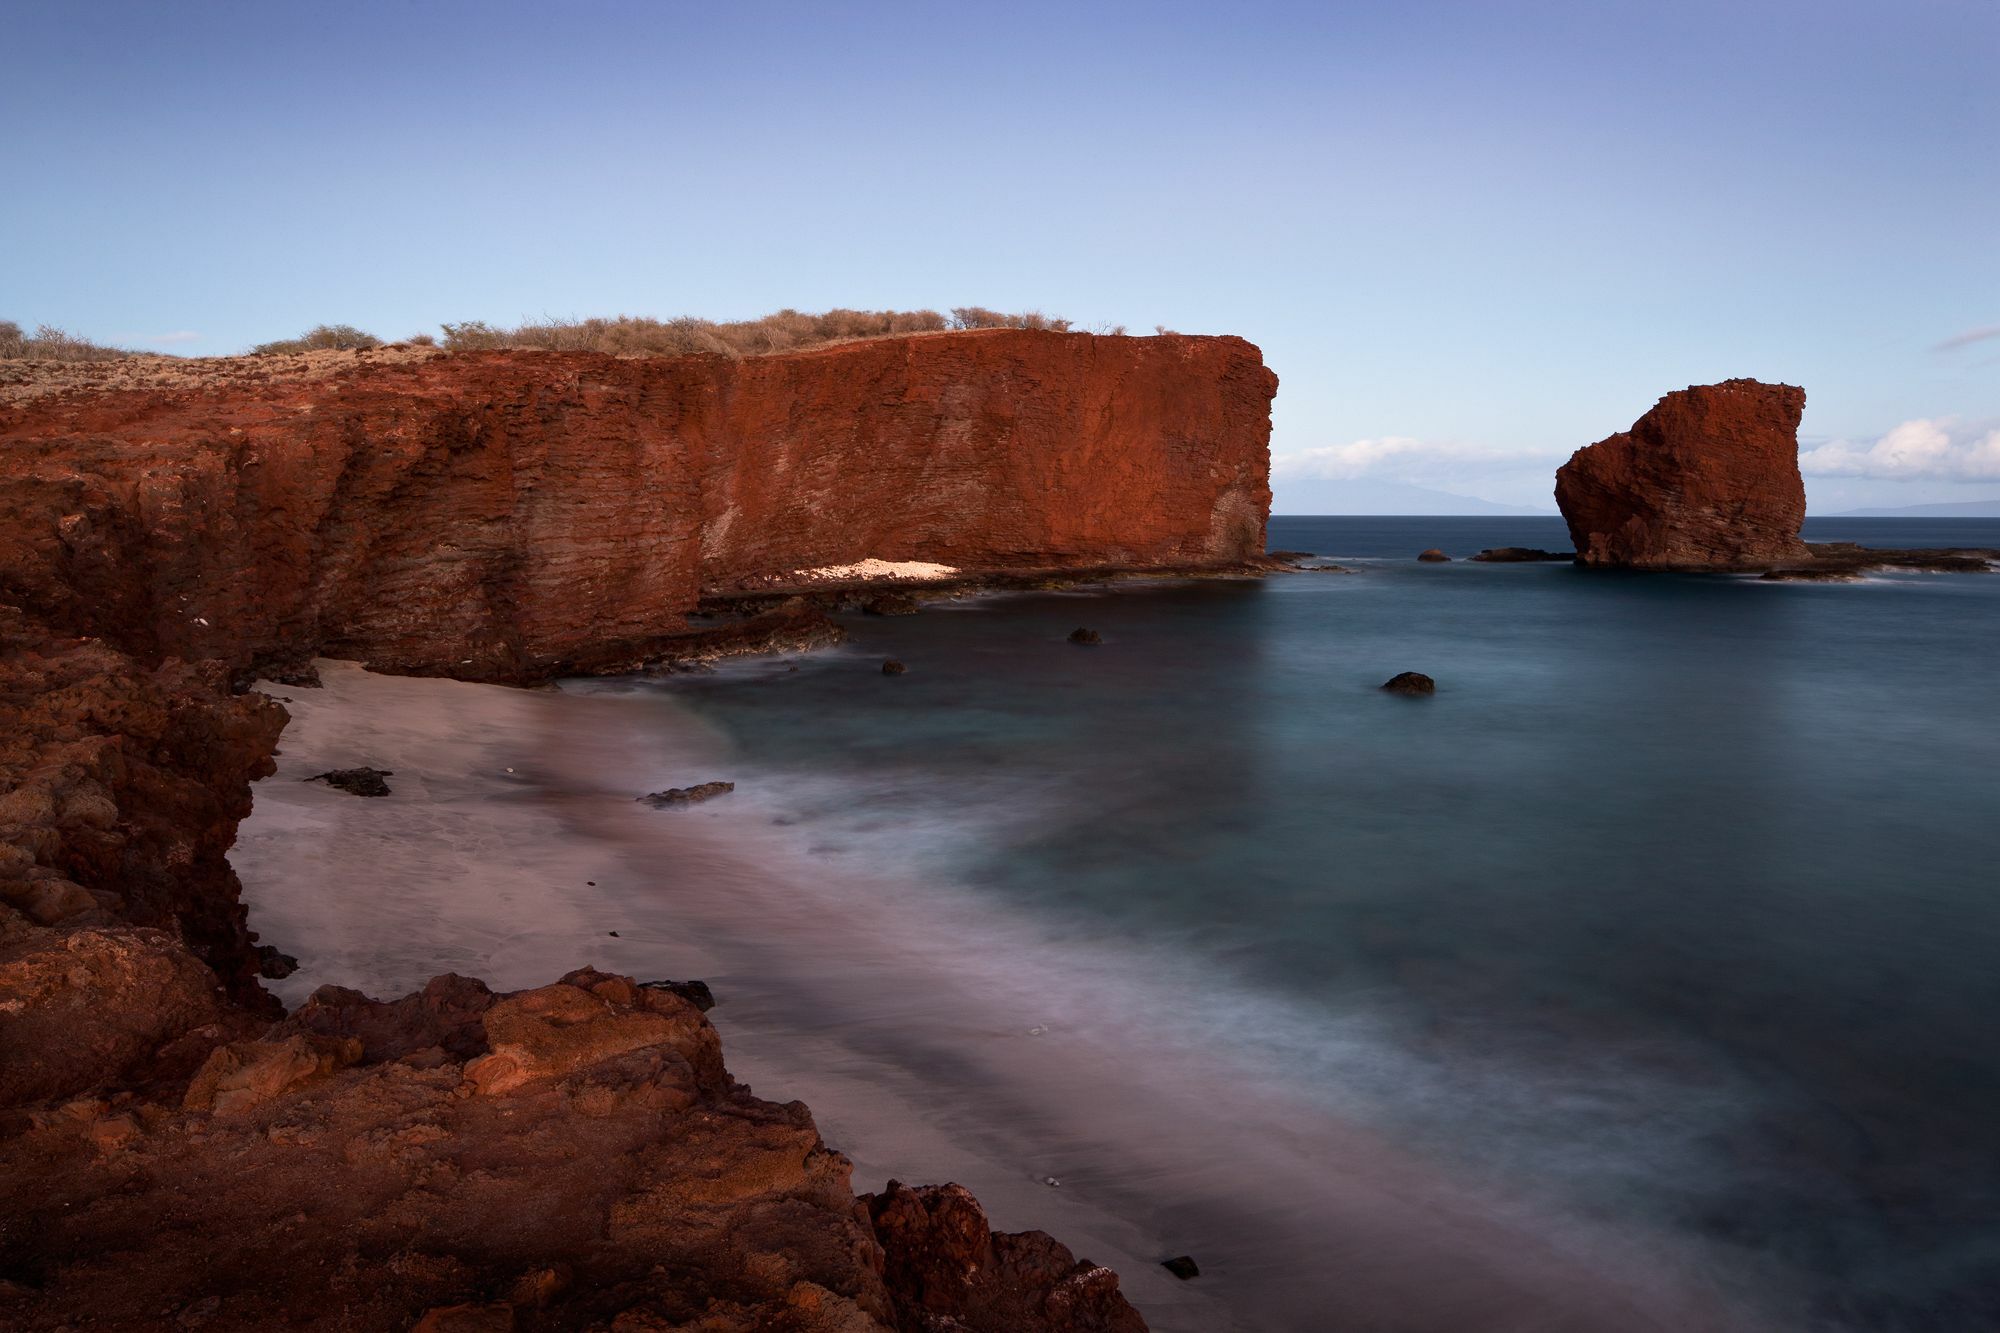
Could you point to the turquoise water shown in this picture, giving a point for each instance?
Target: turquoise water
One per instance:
(1674, 910)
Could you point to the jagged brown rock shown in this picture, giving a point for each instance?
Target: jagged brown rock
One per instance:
(1706, 480)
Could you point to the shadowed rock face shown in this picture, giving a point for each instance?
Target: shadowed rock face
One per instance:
(1709, 479)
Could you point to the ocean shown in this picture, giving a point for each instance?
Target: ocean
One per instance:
(1642, 978)
(1667, 930)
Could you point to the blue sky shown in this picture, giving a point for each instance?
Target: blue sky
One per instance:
(1468, 236)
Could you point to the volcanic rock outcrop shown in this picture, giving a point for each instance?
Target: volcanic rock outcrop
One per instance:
(174, 1150)
(1709, 479)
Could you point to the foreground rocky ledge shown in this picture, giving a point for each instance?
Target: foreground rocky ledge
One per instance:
(175, 1151)
(568, 1157)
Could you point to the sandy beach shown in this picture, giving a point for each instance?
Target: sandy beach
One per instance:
(933, 1037)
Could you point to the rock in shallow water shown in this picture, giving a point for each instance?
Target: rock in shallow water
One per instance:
(357, 781)
(1410, 682)
(1182, 1266)
(1085, 636)
(674, 797)
(1433, 556)
(892, 667)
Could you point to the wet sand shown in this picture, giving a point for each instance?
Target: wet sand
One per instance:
(934, 1037)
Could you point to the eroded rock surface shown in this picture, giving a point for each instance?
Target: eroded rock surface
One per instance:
(1708, 479)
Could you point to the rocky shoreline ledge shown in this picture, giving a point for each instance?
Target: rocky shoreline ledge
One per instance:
(175, 1149)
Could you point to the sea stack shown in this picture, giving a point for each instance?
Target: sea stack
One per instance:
(1707, 480)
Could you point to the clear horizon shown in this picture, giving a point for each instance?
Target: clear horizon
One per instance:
(1470, 238)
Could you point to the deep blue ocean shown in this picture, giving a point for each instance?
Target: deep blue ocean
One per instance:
(1677, 907)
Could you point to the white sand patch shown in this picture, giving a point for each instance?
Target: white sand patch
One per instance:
(871, 568)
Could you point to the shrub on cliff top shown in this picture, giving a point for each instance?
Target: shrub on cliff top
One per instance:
(324, 338)
(979, 317)
(787, 330)
(48, 343)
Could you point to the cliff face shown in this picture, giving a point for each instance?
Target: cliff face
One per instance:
(1709, 479)
(565, 1157)
(502, 515)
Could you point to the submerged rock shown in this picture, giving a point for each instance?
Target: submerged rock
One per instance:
(1085, 636)
(674, 797)
(1182, 1266)
(891, 667)
(1709, 479)
(1410, 682)
(1433, 556)
(357, 781)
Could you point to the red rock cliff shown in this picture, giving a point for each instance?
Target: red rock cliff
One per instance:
(1709, 479)
(503, 514)
(574, 1156)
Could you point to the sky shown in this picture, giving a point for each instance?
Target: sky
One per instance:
(1469, 237)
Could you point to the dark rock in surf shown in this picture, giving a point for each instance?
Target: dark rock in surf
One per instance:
(1410, 682)
(1520, 555)
(1433, 556)
(892, 667)
(674, 797)
(273, 964)
(357, 781)
(1085, 636)
(892, 604)
(1182, 1266)
(1810, 576)
(1290, 555)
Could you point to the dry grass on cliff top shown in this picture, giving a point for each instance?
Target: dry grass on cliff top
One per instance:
(625, 335)
(48, 343)
(50, 361)
(785, 331)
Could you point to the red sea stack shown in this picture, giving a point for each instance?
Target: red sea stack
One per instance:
(1709, 479)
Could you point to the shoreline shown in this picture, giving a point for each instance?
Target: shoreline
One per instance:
(813, 1003)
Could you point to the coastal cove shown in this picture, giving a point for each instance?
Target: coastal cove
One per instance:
(1638, 925)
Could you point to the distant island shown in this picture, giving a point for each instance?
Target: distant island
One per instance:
(1955, 509)
(1320, 495)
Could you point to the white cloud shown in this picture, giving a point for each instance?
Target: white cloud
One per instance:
(1400, 458)
(1927, 448)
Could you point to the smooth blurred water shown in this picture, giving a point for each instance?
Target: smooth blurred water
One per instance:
(1675, 908)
